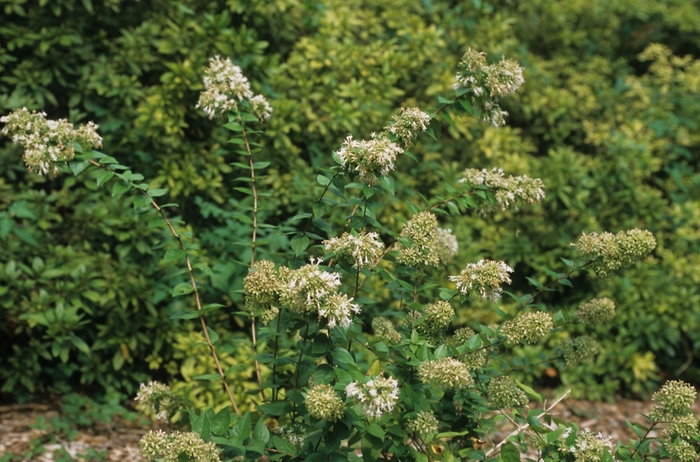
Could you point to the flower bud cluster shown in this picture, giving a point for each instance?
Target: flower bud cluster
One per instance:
(528, 328)
(424, 423)
(378, 395)
(176, 446)
(447, 373)
(597, 312)
(385, 330)
(369, 159)
(155, 399)
(676, 398)
(487, 83)
(226, 87)
(590, 447)
(504, 393)
(46, 143)
(361, 251)
(485, 277)
(261, 286)
(421, 232)
(681, 451)
(684, 427)
(474, 360)
(610, 252)
(436, 319)
(446, 245)
(508, 190)
(408, 124)
(578, 349)
(323, 403)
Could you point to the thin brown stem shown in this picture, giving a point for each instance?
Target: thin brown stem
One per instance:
(275, 393)
(252, 254)
(195, 290)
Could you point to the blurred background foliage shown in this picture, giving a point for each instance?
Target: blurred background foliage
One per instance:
(608, 118)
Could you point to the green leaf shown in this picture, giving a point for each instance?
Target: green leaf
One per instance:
(278, 408)
(207, 377)
(509, 453)
(388, 184)
(156, 222)
(283, 445)
(375, 430)
(202, 426)
(183, 288)
(213, 336)
(205, 269)
(323, 180)
(221, 421)
(174, 255)
(529, 391)
(141, 201)
(299, 244)
(78, 167)
(189, 314)
(157, 192)
(243, 426)
(233, 126)
(119, 188)
(80, 344)
(261, 433)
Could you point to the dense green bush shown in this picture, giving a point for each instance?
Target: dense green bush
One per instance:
(614, 137)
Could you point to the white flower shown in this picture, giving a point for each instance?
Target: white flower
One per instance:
(378, 396)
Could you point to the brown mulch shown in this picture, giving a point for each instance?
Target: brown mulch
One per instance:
(119, 440)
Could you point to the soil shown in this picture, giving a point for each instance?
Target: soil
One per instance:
(119, 440)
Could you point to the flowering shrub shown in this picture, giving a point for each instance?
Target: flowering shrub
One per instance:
(329, 387)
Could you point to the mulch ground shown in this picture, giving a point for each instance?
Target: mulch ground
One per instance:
(119, 440)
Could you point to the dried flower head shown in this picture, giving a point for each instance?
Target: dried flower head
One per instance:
(384, 329)
(323, 403)
(504, 393)
(597, 312)
(378, 395)
(156, 399)
(578, 349)
(528, 328)
(225, 88)
(261, 286)
(421, 233)
(446, 245)
(369, 159)
(307, 289)
(47, 143)
(676, 397)
(508, 191)
(485, 84)
(447, 373)
(360, 250)
(408, 124)
(485, 277)
(610, 252)
(176, 446)
(424, 423)
(339, 310)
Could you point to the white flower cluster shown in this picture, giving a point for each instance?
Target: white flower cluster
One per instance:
(368, 159)
(47, 142)
(306, 289)
(226, 87)
(508, 190)
(486, 83)
(359, 250)
(176, 446)
(485, 277)
(339, 310)
(590, 447)
(155, 399)
(446, 245)
(408, 124)
(378, 396)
